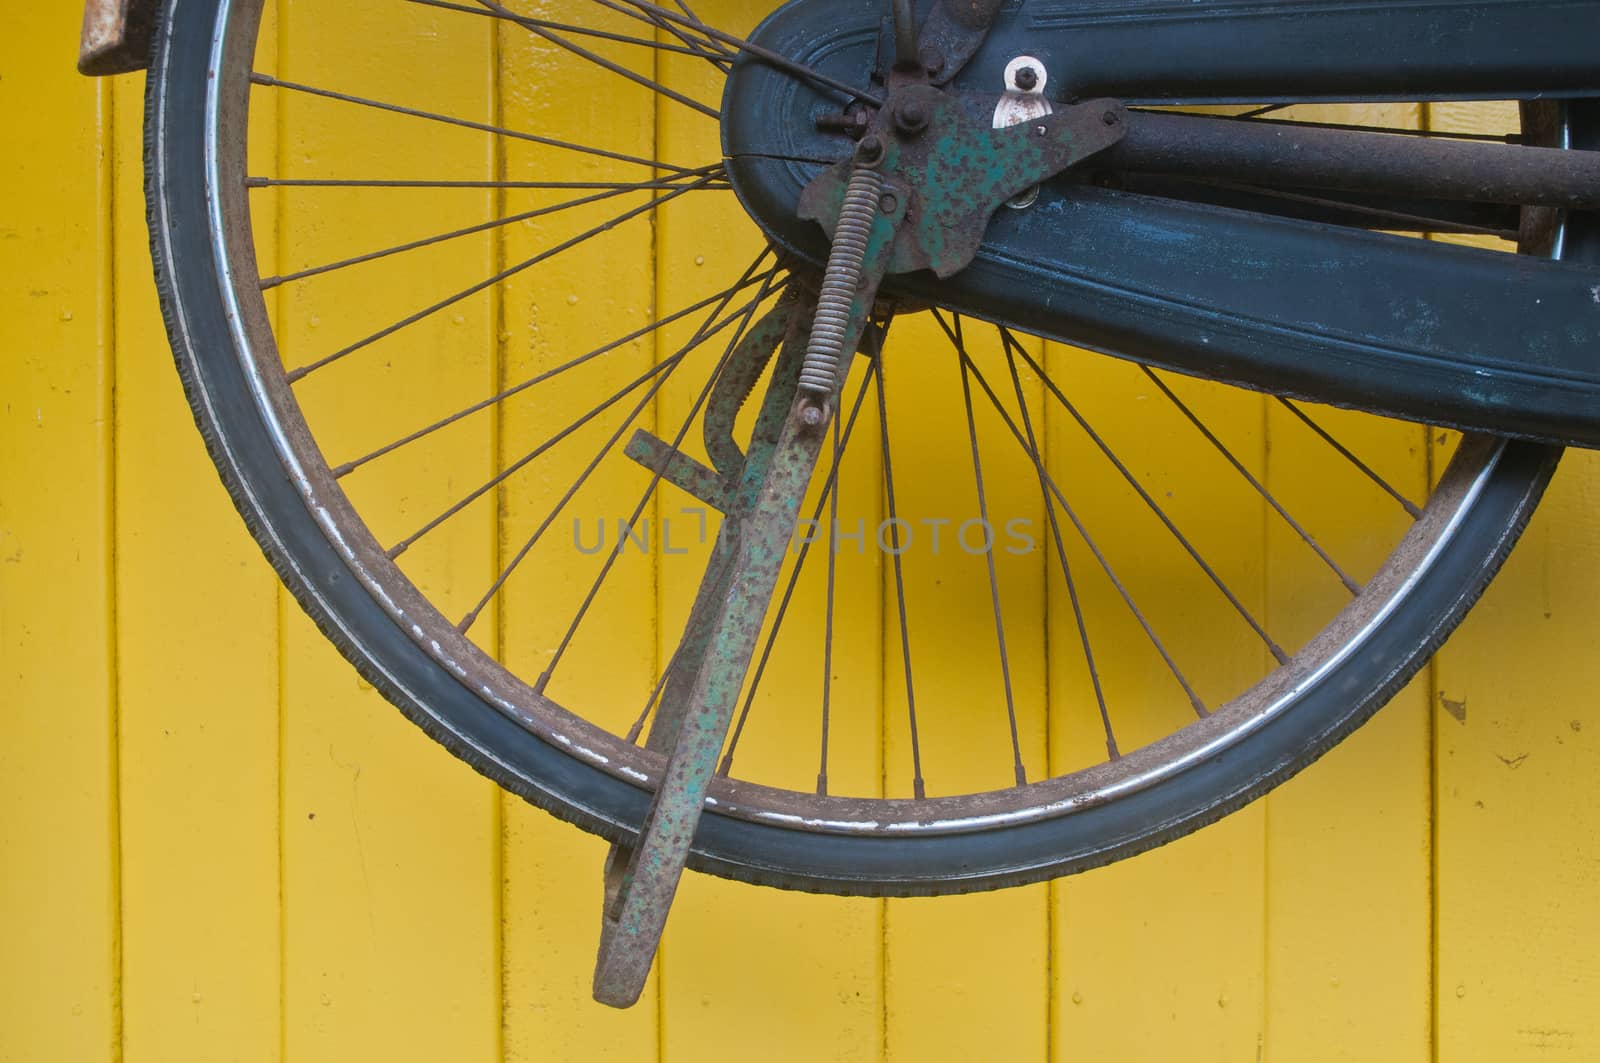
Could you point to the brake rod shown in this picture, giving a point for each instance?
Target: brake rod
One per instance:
(1282, 154)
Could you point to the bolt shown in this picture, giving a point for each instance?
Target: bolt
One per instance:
(888, 202)
(839, 122)
(1110, 118)
(812, 415)
(911, 117)
(1026, 77)
(870, 151)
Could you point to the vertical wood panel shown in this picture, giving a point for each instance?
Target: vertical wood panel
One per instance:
(1296, 930)
(584, 298)
(1348, 863)
(729, 962)
(967, 977)
(198, 697)
(1518, 831)
(1517, 834)
(1162, 953)
(391, 848)
(1348, 860)
(58, 830)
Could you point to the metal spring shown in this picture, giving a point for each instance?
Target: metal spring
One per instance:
(819, 372)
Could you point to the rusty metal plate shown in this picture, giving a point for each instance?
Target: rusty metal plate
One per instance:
(116, 36)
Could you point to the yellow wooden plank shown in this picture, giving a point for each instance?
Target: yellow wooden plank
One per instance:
(1515, 779)
(391, 848)
(951, 960)
(580, 300)
(198, 697)
(782, 975)
(58, 845)
(1516, 827)
(1348, 861)
(1348, 858)
(1162, 954)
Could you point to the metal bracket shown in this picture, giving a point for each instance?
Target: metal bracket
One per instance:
(958, 170)
(680, 470)
(952, 34)
(117, 35)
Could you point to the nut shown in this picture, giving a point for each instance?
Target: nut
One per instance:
(911, 117)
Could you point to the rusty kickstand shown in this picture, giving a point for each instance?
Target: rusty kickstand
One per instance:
(708, 670)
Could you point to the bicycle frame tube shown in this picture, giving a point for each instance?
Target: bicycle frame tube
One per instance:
(1431, 332)
(1215, 51)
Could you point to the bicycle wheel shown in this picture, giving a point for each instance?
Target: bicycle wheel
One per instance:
(403, 469)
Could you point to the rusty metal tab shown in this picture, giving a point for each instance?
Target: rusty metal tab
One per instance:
(952, 34)
(679, 469)
(116, 36)
(960, 170)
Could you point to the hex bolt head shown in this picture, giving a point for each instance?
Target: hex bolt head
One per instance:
(1026, 78)
(911, 117)
(812, 415)
(869, 152)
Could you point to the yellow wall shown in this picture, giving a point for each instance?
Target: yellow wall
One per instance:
(216, 844)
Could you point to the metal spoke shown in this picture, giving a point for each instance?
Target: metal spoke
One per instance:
(657, 372)
(994, 578)
(1260, 488)
(768, 55)
(1035, 455)
(601, 61)
(378, 182)
(1088, 540)
(1161, 514)
(663, 367)
(564, 27)
(661, 373)
(494, 223)
(572, 363)
(463, 123)
(411, 319)
(829, 497)
(1366, 470)
(694, 341)
(917, 787)
(655, 697)
(655, 479)
(726, 55)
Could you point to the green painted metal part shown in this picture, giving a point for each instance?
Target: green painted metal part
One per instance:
(958, 170)
(708, 671)
(736, 382)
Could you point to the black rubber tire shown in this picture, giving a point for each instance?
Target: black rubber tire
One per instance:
(243, 449)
